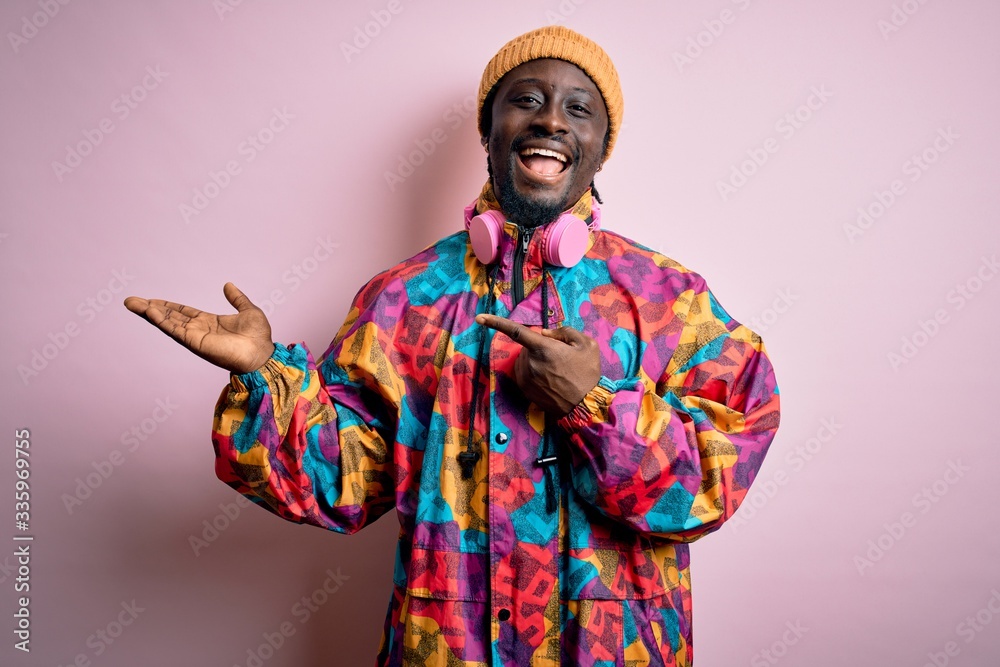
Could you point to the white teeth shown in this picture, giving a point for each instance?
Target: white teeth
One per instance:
(545, 152)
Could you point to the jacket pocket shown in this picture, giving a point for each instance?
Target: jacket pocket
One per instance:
(443, 617)
(606, 560)
(447, 575)
(628, 573)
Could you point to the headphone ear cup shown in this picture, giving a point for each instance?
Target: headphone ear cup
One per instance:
(566, 241)
(484, 235)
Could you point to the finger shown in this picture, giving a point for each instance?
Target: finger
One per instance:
(237, 298)
(141, 306)
(171, 307)
(167, 313)
(136, 304)
(154, 315)
(567, 335)
(522, 371)
(171, 322)
(518, 333)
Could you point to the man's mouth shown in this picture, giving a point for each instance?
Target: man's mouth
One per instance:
(543, 161)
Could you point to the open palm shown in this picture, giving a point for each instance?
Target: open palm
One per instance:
(239, 342)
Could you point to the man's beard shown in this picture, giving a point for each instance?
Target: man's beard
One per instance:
(520, 209)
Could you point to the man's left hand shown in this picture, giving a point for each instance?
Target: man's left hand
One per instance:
(556, 368)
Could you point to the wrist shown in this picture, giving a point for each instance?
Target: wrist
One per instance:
(593, 407)
(257, 376)
(265, 354)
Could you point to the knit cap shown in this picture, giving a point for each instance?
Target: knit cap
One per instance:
(559, 42)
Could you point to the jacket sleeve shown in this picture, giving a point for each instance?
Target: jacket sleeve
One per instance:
(314, 444)
(675, 458)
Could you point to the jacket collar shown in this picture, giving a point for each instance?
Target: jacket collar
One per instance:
(529, 310)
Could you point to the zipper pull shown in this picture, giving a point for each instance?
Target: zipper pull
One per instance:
(525, 239)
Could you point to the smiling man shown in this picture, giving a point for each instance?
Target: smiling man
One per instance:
(553, 410)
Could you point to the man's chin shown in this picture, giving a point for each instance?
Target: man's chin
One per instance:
(531, 209)
(546, 200)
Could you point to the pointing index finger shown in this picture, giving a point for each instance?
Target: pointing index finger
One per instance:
(518, 333)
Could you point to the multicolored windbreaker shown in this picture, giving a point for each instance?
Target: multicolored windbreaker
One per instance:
(661, 452)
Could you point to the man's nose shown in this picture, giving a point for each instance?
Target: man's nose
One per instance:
(551, 119)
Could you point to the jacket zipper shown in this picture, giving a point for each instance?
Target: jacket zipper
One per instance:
(517, 280)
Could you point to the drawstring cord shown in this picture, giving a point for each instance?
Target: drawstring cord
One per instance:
(545, 457)
(467, 459)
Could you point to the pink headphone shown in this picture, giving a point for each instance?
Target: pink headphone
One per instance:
(564, 244)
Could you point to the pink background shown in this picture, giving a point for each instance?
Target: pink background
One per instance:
(775, 252)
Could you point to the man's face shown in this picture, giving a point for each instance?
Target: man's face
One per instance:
(546, 139)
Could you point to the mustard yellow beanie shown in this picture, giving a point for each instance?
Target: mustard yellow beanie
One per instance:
(559, 42)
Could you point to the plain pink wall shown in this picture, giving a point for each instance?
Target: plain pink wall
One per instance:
(707, 86)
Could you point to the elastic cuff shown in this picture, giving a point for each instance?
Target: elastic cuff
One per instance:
(258, 378)
(593, 406)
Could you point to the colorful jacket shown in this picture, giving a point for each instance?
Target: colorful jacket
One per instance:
(661, 452)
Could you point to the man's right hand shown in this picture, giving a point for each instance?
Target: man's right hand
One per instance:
(239, 343)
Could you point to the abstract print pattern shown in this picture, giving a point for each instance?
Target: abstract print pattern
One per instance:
(660, 453)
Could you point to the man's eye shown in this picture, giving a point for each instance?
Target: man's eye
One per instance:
(526, 99)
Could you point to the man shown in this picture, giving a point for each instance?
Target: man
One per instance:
(552, 429)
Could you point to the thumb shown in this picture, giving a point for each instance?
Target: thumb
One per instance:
(237, 298)
(567, 335)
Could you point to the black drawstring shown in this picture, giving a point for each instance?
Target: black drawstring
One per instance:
(467, 459)
(547, 459)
